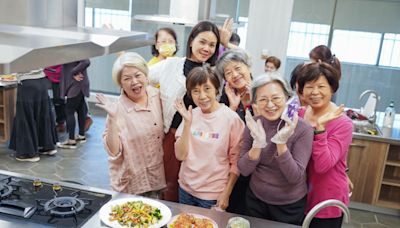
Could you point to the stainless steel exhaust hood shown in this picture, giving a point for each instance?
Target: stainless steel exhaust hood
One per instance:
(28, 42)
(183, 12)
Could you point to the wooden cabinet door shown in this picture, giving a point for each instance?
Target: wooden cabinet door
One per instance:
(366, 161)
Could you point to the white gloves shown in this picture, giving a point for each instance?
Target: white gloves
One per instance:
(256, 131)
(282, 136)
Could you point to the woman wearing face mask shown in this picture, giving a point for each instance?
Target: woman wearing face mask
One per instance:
(165, 45)
(275, 151)
(134, 130)
(208, 144)
(202, 46)
(333, 134)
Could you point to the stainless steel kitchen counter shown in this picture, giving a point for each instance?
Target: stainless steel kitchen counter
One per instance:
(221, 218)
(389, 135)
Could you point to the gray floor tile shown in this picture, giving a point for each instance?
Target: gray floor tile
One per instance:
(45, 168)
(390, 221)
(374, 226)
(67, 174)
(362, 217)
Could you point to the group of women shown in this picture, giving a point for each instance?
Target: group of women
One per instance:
(195, 140)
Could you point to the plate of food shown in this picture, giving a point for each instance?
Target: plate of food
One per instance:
(189, 220)
(135, 212)
(8, 78)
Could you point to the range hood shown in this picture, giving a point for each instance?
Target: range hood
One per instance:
(183, 12)
(34, 36)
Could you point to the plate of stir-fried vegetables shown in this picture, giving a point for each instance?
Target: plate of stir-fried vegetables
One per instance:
(135, 212)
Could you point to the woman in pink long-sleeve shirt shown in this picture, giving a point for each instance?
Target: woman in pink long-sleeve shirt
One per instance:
(134, 130)
(332, 137)
(208, 144)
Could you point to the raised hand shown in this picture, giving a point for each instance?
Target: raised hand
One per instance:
(282, 136)
(234, 99)
(105, 104)
(225, 32)
(324, 119)
(256, 131)
(186, 114)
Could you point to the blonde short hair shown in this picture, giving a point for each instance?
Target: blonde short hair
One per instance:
(131, 59)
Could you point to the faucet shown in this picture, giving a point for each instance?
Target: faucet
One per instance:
(375, 96)
(323, 204)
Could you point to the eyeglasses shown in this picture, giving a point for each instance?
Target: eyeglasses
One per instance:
(265, 101)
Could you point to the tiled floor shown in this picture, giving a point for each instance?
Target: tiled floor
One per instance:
(88, 165)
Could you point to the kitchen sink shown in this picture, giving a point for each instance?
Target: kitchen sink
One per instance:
(366, 127)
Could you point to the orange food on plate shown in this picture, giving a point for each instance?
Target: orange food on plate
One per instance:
(185, 220)
(8, 77)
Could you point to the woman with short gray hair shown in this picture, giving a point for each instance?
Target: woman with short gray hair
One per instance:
(234, 66)
(275, 152)
(134, 130)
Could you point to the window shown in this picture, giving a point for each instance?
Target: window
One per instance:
(356, 47)
(97, 17)
(390, 53)
(305, 36)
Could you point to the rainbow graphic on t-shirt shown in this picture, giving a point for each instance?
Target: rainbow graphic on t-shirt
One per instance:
(205, 135)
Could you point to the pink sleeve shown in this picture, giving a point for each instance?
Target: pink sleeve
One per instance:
(178, 132)
(330, 146)
(235, 143)
(107, 148)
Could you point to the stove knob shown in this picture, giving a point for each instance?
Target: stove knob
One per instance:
(56, 187)
(37, 183)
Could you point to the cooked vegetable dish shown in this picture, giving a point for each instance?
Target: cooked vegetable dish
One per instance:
(135, 214)
(190, 221)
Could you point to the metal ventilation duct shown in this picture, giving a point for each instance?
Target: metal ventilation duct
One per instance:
(40, 33)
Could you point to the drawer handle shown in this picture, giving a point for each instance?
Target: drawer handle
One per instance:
(357, 145)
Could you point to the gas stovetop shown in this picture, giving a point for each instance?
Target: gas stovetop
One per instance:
(51, 204)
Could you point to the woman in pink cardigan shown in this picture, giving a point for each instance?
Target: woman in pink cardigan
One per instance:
(332, 137)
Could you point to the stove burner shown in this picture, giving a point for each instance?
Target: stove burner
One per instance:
(64, 206)
(5, 190)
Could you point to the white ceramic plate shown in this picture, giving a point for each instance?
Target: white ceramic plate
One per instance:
(106, 209)
(215, 225)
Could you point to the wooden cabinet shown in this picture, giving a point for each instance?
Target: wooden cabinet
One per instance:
(7, 111)
(366, 162)
(375, 172)
(389, 195)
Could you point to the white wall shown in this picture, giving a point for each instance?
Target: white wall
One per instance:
(268, 29)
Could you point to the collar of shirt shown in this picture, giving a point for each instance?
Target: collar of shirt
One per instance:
(129, 105)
